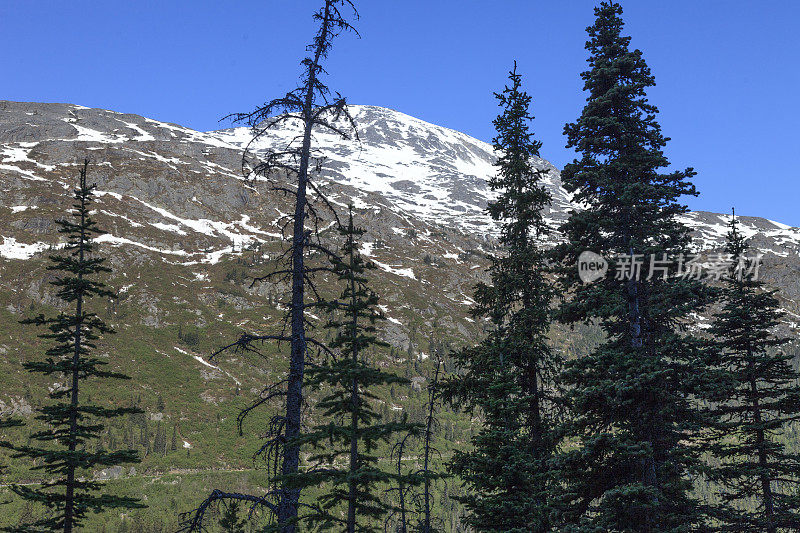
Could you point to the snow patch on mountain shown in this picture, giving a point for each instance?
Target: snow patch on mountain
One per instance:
(404, 272)
(227, 230)
(764, 236)
(11, 249)
(207, 364)
(434, 173)
(419, 171)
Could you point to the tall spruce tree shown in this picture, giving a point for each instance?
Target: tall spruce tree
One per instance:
(343, 462)
(631, 449)
(291, 171)
(509, 376)
(755, 467)
(73, 425)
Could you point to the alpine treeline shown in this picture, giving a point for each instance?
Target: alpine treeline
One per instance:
(68, 450)
(617, 438)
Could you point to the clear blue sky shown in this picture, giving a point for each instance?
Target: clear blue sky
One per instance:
(727, 71)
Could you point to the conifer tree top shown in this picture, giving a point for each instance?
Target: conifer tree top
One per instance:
(522, 195)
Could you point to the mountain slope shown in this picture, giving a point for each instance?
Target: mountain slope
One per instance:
(187, 233)
(169, 195)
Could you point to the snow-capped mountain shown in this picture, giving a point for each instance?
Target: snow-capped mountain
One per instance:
(177, 194)
(186, 235)
(430, 172)
(441, 176)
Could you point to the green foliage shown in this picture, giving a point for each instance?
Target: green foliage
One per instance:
(236, 275)
(634, 396)
(73, 423)
(761, 399)
(350, 429)
(509, 376)
(635, 381)
(230, 522)
(160, 440)
(189, 335)
(201, 406)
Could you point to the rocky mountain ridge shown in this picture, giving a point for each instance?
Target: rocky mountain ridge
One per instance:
(173, 197)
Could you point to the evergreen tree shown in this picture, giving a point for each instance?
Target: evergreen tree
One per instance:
(174, 443)
(351, 429)
(754, 465)
(291, 171)
(144, 433)
(631, 450)
(73, 424)
(509, 376)
(160, 440)
(230, 522)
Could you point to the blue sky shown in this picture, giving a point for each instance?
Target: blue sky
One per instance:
(726, 70)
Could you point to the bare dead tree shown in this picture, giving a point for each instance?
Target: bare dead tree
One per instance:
(406, 483)
(426, 472)
(402, 489)
(291, 171)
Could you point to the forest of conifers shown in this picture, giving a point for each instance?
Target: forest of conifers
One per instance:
(652, 425)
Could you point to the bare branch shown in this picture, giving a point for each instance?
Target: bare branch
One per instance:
(193, 521)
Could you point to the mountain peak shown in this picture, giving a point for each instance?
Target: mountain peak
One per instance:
(434, 173)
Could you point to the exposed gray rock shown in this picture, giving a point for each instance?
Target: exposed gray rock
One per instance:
(112, 472)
